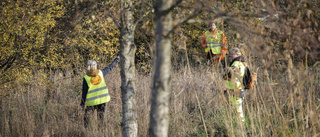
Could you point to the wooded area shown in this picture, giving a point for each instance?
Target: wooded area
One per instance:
(52, 35)
(46, 43)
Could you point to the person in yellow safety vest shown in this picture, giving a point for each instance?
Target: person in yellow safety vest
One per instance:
(94, 90)
(214, 43)
(233, 81)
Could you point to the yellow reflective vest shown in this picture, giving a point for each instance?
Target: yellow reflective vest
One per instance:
(213, 43)
(229, 83)
(97, 90)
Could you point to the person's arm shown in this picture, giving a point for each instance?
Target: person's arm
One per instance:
(84, 93)
(227, 75)
(224, 44)
(203, 41)
(106, 70)
(231, 73)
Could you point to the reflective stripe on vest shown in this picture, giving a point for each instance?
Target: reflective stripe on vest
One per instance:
(213, 42)
(97, 91)
(242, 68)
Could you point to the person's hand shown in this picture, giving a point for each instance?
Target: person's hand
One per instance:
(118, 57)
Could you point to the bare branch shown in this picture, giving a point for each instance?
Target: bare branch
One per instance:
(144, 15)
(184, 21)
(114, 20)
(170, 8)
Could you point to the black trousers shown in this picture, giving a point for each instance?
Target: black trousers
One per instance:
(89, 112)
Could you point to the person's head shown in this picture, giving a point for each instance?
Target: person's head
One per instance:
(234, 53)
(212, 26)
(91, 65)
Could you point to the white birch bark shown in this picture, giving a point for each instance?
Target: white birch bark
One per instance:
(127, 54)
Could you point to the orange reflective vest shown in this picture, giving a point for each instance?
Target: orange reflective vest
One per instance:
(216, 43)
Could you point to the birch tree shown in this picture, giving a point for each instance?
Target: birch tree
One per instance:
(127, 52)
(159, 117)
(161, 84)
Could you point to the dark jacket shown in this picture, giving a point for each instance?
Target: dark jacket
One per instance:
(85, 87)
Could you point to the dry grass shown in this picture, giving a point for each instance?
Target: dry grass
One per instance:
(276, 107)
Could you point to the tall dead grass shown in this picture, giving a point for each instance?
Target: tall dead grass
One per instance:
(276, 107)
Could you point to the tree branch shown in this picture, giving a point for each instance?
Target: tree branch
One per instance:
(144, 15)
(184, 21)
(170, 8)
(114, 20)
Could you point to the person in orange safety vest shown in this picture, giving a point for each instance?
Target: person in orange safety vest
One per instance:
(214, 43)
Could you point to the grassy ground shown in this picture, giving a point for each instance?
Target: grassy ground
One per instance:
(276, 107)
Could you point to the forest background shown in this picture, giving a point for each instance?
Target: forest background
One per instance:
(45, 45)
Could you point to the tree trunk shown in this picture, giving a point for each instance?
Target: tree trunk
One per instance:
(127, 54)
(161, 85)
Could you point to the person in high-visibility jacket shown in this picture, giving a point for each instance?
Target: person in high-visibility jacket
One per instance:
(94, 90)
(233, 81)
(214, 43)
